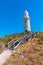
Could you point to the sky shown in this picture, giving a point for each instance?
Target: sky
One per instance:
(12, 13)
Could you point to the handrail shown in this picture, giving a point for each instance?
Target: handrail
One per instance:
(24, 38)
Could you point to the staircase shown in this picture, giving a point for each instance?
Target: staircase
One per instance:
(15, 43)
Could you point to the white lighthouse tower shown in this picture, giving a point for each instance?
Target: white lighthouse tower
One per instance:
(26, 21)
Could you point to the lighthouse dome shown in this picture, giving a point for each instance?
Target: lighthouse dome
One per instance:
(26, 13)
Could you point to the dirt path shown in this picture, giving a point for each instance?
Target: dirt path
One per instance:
(4, 56)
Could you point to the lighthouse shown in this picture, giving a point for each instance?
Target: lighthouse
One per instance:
(26, 22)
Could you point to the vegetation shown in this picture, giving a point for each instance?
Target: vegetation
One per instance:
(40, 36)
(8, 38)
(4, 40)
(30, 53)
(2, 47)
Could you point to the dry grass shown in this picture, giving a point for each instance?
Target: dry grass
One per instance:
(30, 53)
(8, 38)
(2, 47)
(4, 40)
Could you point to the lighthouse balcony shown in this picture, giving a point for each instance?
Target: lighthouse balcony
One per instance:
(26, 18)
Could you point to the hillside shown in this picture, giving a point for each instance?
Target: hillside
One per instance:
(29, 53)
(4, 40)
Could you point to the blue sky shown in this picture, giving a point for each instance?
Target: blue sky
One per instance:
(12, 12)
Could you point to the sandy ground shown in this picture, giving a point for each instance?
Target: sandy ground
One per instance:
(4, 56)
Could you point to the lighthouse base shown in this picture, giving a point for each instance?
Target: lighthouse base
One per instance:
(27, 31)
